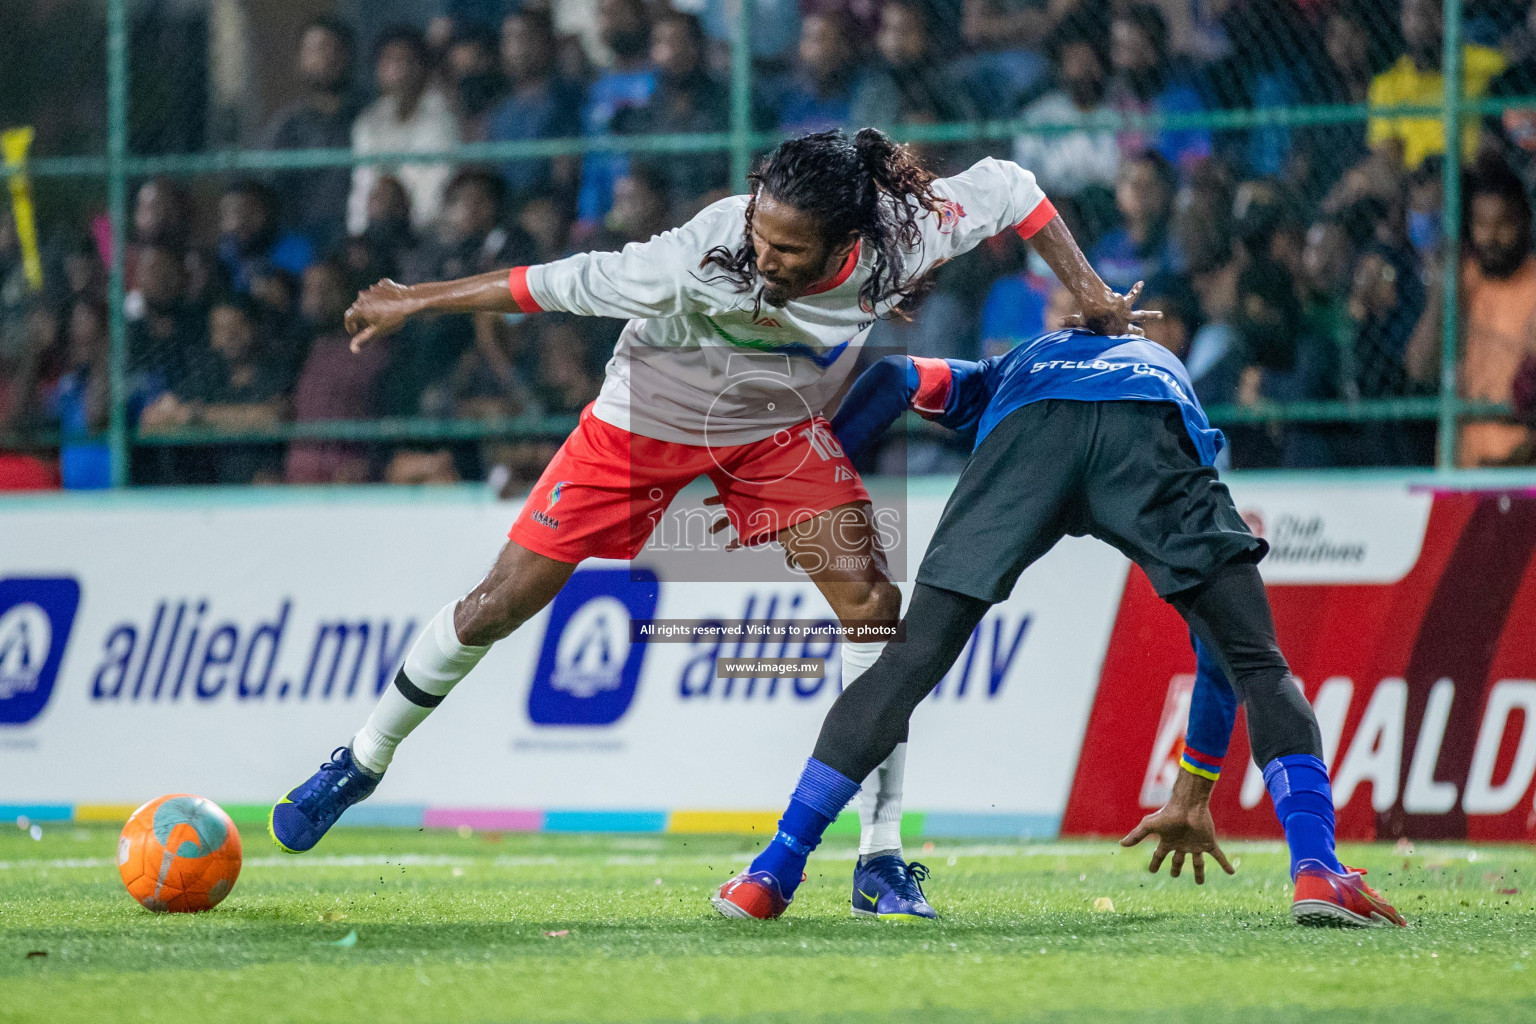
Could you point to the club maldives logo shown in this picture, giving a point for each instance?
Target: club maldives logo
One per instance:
(588, 668)
(1305, 539)
(36, 615)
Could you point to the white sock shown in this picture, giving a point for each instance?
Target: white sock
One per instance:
(435, 665)
(879, 799)
(880, 805)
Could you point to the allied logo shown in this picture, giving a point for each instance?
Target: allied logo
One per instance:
(36, 616)
(588, 668)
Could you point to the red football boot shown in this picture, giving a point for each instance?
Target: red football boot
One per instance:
(751, 894)
(1327, 898)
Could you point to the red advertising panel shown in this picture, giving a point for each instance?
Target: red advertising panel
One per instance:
(1424, 684)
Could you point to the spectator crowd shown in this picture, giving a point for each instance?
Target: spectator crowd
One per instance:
(1296, 261)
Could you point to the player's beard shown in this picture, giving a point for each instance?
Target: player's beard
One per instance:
(768, 295)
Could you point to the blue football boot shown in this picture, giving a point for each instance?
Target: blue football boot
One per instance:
(306, 814)
(888, 889)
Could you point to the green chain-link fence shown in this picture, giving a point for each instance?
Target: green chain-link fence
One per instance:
(1260, 142)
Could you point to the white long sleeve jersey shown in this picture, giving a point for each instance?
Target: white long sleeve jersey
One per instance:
(694, 365)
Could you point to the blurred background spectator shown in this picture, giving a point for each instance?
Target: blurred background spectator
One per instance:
(78, 401)
(687, 99)
(1498, 313)
(909, 84)
(629, 81)
(1080, 164)
(227, 382)
(539, 104)
(334, 383)
(1140, 247)
(251, 241)
(472, 75)
(470, 237)
(1415, 78)
(314, 202)
(1149, 79)
(817, 95)
(411, 115)
(379, 250)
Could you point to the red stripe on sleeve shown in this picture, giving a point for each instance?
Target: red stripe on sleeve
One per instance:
(933, 382)
(517, 280)
(1038, 218)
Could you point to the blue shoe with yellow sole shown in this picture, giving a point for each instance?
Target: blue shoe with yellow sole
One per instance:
(890, 889)
(303, 817)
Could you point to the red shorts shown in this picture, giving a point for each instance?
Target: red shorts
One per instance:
(606, 488)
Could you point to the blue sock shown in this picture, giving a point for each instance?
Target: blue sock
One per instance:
(1298, 785)
(815, 803)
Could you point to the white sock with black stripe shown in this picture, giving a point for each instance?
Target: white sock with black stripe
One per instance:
(435, 665)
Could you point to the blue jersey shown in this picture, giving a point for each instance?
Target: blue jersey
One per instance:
(1076, 365)
(1079, 366)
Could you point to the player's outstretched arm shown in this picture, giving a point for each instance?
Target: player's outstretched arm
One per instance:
(1104, 310)
(383, 307)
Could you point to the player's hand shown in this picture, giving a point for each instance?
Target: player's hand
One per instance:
(1115, 314)
(722, 522)
(1184, 828)
(378, 310)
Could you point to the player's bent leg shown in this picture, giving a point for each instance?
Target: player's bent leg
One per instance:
(870, 716)
(862, 728)
(1230, 612)
(518, 586)
(841, 552)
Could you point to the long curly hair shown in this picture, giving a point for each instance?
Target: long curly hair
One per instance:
(869, 185)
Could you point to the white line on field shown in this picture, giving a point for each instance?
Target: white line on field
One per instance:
(622, 860)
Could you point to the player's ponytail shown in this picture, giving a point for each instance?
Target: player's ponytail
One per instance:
(870, 185)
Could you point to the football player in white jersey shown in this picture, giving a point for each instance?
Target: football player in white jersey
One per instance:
(835, 233)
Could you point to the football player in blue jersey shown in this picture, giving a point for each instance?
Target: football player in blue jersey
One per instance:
(1077, 434)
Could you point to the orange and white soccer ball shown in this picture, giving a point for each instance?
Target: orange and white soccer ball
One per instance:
(178, 854)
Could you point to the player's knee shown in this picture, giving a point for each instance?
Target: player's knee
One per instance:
(1258, 661)
(483, 618)
(874, 601)
(1280, 720)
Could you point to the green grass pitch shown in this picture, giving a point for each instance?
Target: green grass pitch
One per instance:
(456, 928)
